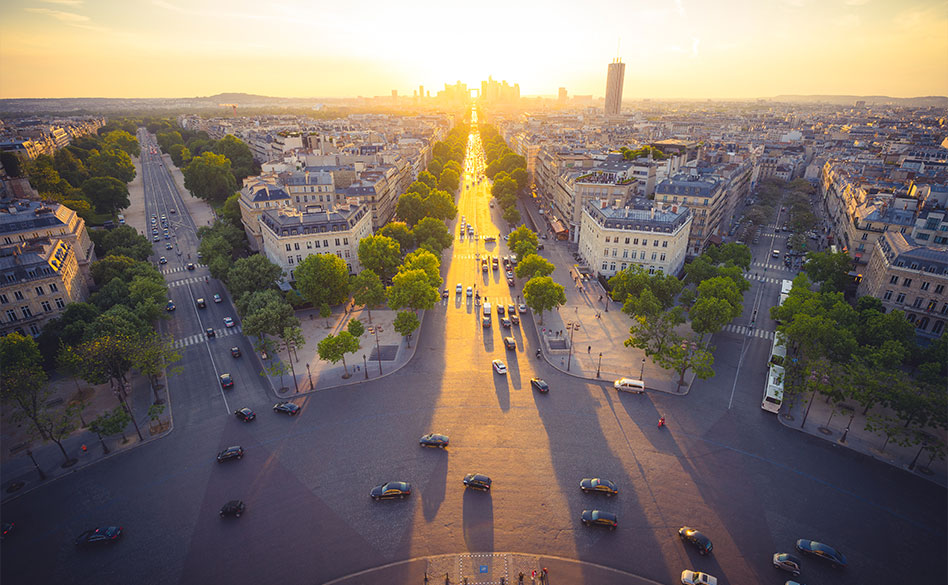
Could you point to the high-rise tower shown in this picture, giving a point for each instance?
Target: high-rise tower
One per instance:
(614, 87)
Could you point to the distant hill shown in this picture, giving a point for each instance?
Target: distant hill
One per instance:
(937, 101)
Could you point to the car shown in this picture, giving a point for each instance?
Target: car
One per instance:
(210, 332)
(477, 481)
(226, 381)
(511, 310)
(235, 452)
(233, 508)
(822, 551)
(459, 288)
(509, 274)
(201, 304)
(164, 218)
(697, 578)
(99, 535)
(515, 318)
(500, 310)
(217, 298)
(235, 351)
(539, 385)
(199, 255)
(445, 293)
(505, 322)
(190, 266)
(170, 306)
(510, 281)
(433, 440)
(600, 518)
(696, 538)
(470, 291)
(510, 342)
(154, 231)
(522, 308)
(506, 261)
(775, 254)
(168, 246)
(167, 237)
(245, 414)
(6, 530)
(598, 485)
(494, 261)
(155, 238)
(162, 260)
(172, 210)
(228, 322)
(787, 562)
(390, 490)
(287, 408)
(499, 367)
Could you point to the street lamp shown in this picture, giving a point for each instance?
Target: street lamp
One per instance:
(35, 464)
(642, 373)
(365, 366)
(569, 325)
(600, 364)
(310, 374)
(852, 413)
(376, 330)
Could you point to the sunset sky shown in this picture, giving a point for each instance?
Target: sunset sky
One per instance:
(298, 48)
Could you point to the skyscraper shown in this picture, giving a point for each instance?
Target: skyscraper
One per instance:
(614, 87)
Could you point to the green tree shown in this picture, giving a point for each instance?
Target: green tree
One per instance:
(323, 279)
(521, 176)
(380, 255)
(266, 313)
(542, 294)
(356, 328)
(167, 139)
(11, 164)
(111, 423)
(70, 167)
(523, 241)
(512, 215)
(440, 204)
(420, 188)
(449, 180)
(291, 338)
(829, 269)
(367, 290)
(710, 314)
(251, 274)
(410, 208)
(57, 425)
(180, 155)
(152, 355)
(108, 194)
(122, 140)
(428, 179)
(230, 210)
(22, 379)
(412, 289)
(112, 163)
(432, 232)
(239, 155)
(533, 265)
(426, 261)
(209, 177)
(405, 323)
(124, 240)
(400, 232)
(334, 348)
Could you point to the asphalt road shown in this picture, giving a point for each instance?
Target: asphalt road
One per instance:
(749, 483)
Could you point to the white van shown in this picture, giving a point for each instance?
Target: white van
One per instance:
(630, 385)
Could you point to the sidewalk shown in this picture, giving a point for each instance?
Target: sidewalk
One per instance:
(591, 335)
(822, 422)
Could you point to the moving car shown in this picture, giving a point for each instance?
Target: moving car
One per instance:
(522, 308)
(162, 260)
(217, 298)
(510, 342)
(510, 281)
(459, 288)
(477, 481)
(226, 381)
(201, 304)
(99, 535)
(235, 452)
(775, 254)
(822, 551)
(190, 266)
(235, 351)
(287, 408)
(697, 539)
(390, 490)
(228, 322)
(470, 291)
(433, 440)
(233, 508)
(515, 318)
(210, 332)
(600, 518)
(168, 246)
(245, 414)
(500, 310)
(598, 485)
(445, 293)
(787, 562)
(697, 578)
(499, 367)
(505, 322)
(539, 385)
(170, 306)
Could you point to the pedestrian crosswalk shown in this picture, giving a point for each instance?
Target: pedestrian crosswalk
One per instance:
(184, 281)
(172, 269)
(749, 331)
(193, 339)
(453, 297)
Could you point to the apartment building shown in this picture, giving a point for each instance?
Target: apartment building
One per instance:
(705, 196)
(25, 220)
(259, 195)
(651, 235)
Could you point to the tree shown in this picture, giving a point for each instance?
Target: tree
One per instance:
(22, 379)
(380, 255)
(153, 354)
(112, 163)
(428, 179)
(400, 232)
(325, 312)
(542, 294)
(449, 180)
(111, 423)
(266, 313)
(335, 347)
(323, 279)
(523, 241)
(521, 176)
(180, 155)
(209, 177)
(122, 140)
(108, 194)
(56, 426)
(433, 232)
(412, 289)
(356, 328)
(239, 155)
(230, 210)
(426, 261)
(124, 240)
(367, 290)
(251, 274)
(405, 323)
(829, 269)
(70, 167)
(512, 215)
(410, 208)
(440, 204)
(422, 189)
(710, 314)
(629, 285)
(533, 265)
(291, 338)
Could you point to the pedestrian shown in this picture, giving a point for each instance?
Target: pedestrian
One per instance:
(589, 349)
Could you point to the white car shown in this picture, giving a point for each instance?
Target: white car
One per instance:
(499, 367)
(459, 288)
(697, 578)
(522, 308)
(228, 322)
(470, 291)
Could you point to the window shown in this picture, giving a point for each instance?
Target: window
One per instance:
(925, 285)
(654, 243)
(627, 241)
(34, 330)
(635, 241)
(18, 295)
(932, 305)
(625, 253)
(887, 296)
(615, 252)
(939, 288)
(11, 314)
(53, 288)
(347, 253)
(644, 242)
(605, 266)
(60, 304)
(612, 267)
(4, 299)
(900, 299)
(345, 241)
(894, 279)
(309, 245)
(337, 241)
(608, 239)
(288, 248)
(605, 252)
(937, 327)
(325, 243)
(46, 306)
(289, 260)
(653, 255)
(662, 257)
(39, 291)
(317, 243)
(865, 236)
(296, 246)
(664, 243)
(918, 302)
(27, 313)
(907, 282)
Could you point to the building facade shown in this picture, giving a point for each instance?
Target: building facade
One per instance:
(614, 83)
(705, 197)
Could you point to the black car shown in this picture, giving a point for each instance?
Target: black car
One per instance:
(245, 414)
(99, 535)
(539, 385)
(820, 550)
(201, 304)
(235, 351)
(433, 440)
(287, 408)
(600, 518)
(233, 508)
(510, 281)
(235, 452)
(190, 266)
(787, 562)
(477, 481)
(505, 322)
(696, 538)
(226, 381)
(598, 485)
(390, 490)
(210, 332)
(514, 318)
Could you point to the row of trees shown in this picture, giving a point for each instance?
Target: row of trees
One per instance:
(507, 170)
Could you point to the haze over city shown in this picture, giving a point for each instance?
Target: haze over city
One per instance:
(681, 49)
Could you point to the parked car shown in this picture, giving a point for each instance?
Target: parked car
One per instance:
(6, 530)
(245, 414)
(598, 485)
(287, 408)
(697, 539)
(697, 578)
(539, 385)
(235, 452)
(822, 551)
(233, 508)
(390, 490)
(787, 562)
(477, 481)
(433, 440)
(107, 534)
(600, 518)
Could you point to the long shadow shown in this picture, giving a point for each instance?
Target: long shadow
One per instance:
(434, 485)
(478, 521)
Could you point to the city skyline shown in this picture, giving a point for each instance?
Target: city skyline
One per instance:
(164, 48)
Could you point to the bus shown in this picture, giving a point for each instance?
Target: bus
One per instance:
(785, 287)
(773, 389)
